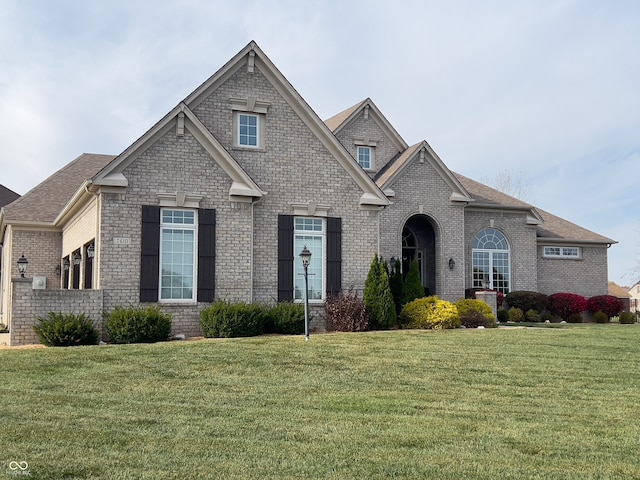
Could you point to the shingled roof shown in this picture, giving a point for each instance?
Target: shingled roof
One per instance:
(7, 196)
(45, 201)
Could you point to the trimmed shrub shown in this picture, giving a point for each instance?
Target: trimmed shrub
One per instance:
(532, 315)
(575, 318)
(412, 288)
(475, 313)
(66, 330)
(378, 299)
(284, 317)
(346, 312)
(137, 325)
(430, 312)
(608, 304)
(526, 300)
(564, 304)
(601, 317)
(516, 315)
(226, 319)
(627, 318)
(503, 315)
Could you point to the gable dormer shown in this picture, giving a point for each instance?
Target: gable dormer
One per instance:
(366, 133)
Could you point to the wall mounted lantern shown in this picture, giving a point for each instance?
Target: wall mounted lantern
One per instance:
(452, 264)
(66, 264)
(77, 258)
(22, 265)
(91, 251)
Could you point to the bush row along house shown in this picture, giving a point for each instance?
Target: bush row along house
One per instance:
(218, 198)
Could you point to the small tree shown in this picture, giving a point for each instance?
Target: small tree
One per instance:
(412, 288)
(378, 299)
(396, 281)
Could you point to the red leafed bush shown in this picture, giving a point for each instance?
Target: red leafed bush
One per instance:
(565, 304)
(608, 304)
(347, 312)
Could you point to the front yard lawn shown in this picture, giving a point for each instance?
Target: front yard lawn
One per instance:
(495, 403)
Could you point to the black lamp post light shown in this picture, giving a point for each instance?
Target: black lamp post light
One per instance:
(22, 265)
(305, 257)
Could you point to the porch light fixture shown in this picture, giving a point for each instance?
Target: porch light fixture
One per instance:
(91, 251)
(58, 270)
(66, 264)
(22, 265)
(305, 257)
(452, 264)
(77, 258)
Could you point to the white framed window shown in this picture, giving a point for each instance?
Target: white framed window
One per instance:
(491, 261)
(561, 252)
(248, 130)
(178, 240)
(365, 157)
(310, 232)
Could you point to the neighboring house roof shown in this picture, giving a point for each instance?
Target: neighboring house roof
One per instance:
(617, 291)
(44, 202)
(7, 196)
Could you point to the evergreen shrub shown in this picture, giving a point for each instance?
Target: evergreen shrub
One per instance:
(396, 281)
(284, 317)
(575, 318)
(346, 312)
(137, 325)
(601, 317)
(378, 299)
(516, 315)
(475, 313)
(527, 300)
(532, 315)
(412, 287)
(66, 330)
(627, 318)
(232, 319)
(430, 312)
(503, 315)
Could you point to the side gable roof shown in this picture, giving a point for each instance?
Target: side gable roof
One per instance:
(7, 196)
(422, 152)
(342, 119)
(556, 229)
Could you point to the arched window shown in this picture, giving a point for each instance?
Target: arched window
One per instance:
(491, 262)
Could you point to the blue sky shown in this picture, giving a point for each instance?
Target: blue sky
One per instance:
(548, 90)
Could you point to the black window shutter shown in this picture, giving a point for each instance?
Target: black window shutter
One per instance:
(150, 253)
(206, 254)
(334, 256)
(285, 258)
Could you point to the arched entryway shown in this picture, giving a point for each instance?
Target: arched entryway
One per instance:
(419, 242)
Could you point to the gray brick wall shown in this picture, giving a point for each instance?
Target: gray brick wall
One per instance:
(29, 304)
(586, 276)
(420, 190)
(293, 168)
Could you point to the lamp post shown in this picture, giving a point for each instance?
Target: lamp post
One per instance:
(305, 257)
(22, 265)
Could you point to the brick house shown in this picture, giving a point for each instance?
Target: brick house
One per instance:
(218, 198)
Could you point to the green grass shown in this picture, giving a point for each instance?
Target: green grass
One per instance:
(501, 403)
